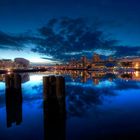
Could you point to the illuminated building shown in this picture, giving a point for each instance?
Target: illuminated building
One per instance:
(84, 61)
(22, 62)
(6, 63)
(136, 64)
(96, 63)
(96, 58)
(17, 64)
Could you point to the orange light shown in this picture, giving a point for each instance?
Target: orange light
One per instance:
(9, 71)
(137, 74)
(137, 65)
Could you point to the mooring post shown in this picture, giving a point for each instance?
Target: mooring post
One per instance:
(9, 81)
(54, 107)
(45, 86)
(17, 81)
(13, 99)
(60, 86)
(49, 86)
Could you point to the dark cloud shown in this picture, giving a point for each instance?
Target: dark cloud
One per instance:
(8, 40)
(11, 41)
(66, 38)
(16, 41)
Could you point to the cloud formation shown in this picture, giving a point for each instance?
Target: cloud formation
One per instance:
(67, 38)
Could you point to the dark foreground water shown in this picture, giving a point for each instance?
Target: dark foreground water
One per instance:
(106, 107)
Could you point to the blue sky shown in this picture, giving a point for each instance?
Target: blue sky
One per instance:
(118, 19)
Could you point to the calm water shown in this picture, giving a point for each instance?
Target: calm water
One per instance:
(106, 107)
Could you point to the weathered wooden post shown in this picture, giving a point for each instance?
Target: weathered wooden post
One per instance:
(60, 93)
(9, 81)
(45, 86)
(13, 99)
(54, 107)
(60, 86)
(49, 86)
(17, 81)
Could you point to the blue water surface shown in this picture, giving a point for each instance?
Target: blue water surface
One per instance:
(109, 110)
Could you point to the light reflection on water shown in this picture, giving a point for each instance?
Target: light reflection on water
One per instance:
(98, 106)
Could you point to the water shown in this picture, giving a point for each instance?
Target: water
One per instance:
(98, 106)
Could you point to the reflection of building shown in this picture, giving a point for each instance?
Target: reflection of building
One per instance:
(136, 75)
(130, 63)
(13, 99)
(130, 76)
(24, 77)
(97, 76)
(136, 64)
(96, 81)
(98, 65)
(84, 76)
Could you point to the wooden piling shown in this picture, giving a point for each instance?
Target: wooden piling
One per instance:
(54, 107)
(60, 86)
(17, 81)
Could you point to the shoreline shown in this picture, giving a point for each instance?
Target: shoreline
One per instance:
(73, 69)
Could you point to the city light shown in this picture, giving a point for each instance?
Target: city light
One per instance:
(137, 74)
(137, 65)
(9, 71)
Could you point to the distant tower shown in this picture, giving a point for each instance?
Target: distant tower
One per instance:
(84, 61)
(96, 57)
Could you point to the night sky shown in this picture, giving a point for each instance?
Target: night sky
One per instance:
(53, 31)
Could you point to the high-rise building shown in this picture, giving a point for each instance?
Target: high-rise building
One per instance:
(96, 57)
(84, 61)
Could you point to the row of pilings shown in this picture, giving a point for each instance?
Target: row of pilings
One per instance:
(53, 104)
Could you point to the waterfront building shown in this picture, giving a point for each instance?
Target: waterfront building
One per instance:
(18, 63)
(24, 63)
(7, 64)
